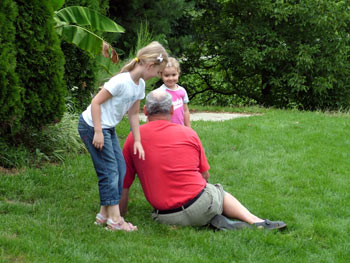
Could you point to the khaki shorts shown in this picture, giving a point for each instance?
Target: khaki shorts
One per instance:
(208, 205)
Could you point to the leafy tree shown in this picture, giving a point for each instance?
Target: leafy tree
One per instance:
(160, 16)
(279, 53)
(181, 30)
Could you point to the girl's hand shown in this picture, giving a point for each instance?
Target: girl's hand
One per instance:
(98, 140)
(138, 148)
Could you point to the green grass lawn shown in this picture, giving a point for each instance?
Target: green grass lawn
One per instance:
(282, 165)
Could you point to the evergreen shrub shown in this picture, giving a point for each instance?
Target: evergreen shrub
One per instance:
(40, 63)
(11, 110)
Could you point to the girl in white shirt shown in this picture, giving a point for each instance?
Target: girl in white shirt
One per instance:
(121, 94)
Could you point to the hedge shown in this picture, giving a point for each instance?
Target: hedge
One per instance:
(40, 63)
(12, 109)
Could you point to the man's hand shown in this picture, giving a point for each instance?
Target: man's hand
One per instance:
(206, 175)
(123, 203)
(138, 148)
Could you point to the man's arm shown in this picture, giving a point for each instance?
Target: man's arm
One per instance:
(203, 162)
(129, 175)
(124, 201)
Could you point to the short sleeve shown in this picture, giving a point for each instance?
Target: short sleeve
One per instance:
(186, 100)
(142, 92)
(114, 85)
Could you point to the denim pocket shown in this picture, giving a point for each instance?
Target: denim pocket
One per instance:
(85, 131)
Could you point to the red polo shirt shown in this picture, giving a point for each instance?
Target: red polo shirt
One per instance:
(170, 175)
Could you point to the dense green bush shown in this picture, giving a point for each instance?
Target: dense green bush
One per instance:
(50, 144)
(298, 52)
(40, 64)
(13, 155)
(100, 6)
(54, 142)
(80, 76)
(11, 110)
(161, 16)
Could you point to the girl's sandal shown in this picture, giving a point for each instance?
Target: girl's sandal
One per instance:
(121, 225)
(100, 220)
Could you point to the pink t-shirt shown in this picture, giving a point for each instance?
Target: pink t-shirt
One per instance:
(179, 98)
(171, 173)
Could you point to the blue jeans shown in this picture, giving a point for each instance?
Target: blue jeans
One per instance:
(109, 163)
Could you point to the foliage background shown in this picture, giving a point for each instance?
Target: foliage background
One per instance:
(233, 53)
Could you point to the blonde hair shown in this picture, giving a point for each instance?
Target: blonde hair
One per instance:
(172, 62)
(152, 53)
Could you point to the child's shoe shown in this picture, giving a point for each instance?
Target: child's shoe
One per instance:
(100, 220)
(121, 225)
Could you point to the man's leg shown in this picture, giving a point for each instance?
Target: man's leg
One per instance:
(234, 209)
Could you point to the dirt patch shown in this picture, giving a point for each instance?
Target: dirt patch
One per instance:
(8, 171)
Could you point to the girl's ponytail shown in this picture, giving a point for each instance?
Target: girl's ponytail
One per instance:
(129, 66)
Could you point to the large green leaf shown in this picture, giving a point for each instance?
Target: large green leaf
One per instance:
(83, 16)
(57, 4)
(81, 37)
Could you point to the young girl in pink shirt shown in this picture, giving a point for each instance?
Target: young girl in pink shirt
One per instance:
(170, 76)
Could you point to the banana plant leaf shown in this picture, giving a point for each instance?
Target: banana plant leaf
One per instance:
(82, 37)
(57, 4)
(70, 25)
(82, 16)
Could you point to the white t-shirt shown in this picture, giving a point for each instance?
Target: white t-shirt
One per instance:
(124, 94)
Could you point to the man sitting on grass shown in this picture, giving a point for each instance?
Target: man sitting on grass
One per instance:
(174, 175)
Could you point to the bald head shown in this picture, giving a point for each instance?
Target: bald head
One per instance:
(158, 101)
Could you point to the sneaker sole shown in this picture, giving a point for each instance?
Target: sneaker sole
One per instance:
(280, 227)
